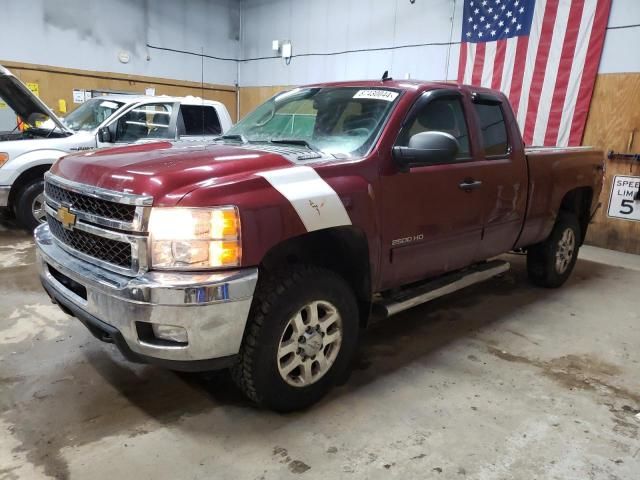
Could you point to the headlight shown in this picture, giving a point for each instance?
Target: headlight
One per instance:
(195, 238)
(3, 158)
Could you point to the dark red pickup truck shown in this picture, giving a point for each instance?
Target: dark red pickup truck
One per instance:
(268, 249)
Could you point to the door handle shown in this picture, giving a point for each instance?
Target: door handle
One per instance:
(469, 185)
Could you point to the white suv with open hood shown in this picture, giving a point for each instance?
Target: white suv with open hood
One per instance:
(36, 137)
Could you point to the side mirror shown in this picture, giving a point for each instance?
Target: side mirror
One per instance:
(104, 135)
(426, 148)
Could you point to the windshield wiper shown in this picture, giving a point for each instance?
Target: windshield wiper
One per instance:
(55, 127)
(294, 141)
(234, 136)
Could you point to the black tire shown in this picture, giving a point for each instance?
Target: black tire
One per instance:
(277, 300)
(24, 204)
(544, 267)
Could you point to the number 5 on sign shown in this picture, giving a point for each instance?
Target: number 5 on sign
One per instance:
(623, 192)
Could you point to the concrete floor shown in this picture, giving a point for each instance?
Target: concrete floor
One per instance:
(500, 381)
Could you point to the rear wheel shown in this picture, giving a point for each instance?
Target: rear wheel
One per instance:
(550, 263)
(301, 337)
(29, 205)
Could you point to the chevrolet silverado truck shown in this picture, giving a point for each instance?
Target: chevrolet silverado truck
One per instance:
(270, 249)
(32, 137)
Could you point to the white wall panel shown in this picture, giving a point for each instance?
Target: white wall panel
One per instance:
(323, 26)
(621, 51)
(332, 26)
(89, 35)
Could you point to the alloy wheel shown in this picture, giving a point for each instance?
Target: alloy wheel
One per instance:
(566, 250)
(37, 208)
(309, 344)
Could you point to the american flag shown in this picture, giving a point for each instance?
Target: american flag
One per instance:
(543, 54)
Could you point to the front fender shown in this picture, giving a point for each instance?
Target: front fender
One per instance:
(273, 212)
(15, 167)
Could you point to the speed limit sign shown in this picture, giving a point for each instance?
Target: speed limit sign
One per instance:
(623, 203)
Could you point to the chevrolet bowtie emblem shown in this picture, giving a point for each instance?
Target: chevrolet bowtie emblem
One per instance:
(67, 218)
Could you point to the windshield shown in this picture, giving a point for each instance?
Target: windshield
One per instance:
(91, 114)
(336, 120)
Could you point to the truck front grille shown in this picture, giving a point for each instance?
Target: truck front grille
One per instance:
(91, 205)
(104, 249)
(104, 227)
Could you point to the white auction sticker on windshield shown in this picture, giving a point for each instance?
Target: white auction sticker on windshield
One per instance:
(377, 95)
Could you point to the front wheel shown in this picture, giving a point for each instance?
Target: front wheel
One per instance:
(29, 207)
(550, 263)
(301, 337)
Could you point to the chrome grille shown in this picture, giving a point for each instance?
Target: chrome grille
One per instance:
(104, 227)
(91, 205)
(104, 249)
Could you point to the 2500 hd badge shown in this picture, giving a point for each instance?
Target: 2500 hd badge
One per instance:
(402, 241)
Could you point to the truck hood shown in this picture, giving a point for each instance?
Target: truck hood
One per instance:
(24, 103)
(167, 171)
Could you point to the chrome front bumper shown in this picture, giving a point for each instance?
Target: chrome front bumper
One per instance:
(212, 307)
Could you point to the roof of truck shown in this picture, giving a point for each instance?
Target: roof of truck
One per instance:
(188, 100)
(400, 84)
(403, 85)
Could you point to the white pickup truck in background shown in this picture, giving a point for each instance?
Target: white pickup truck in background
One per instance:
(38, 138)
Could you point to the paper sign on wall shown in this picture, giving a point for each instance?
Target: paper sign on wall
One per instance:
(150, 91)
(78, 96)
(623, 203)
(34, 87)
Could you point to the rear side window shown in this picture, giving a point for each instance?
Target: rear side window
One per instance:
(199, 120)
(493, 129)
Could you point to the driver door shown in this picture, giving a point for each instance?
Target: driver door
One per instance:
(144, 123)
(432, 214)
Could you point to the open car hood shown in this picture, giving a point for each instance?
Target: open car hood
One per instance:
(23, 102)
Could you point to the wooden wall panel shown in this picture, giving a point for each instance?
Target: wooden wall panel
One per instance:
(251, 97)
(58, 83)
(614, 124)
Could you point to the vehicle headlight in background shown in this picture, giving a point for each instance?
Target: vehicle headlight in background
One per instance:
(195, 238)
(3, 158)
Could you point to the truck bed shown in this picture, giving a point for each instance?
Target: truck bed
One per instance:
(554, 171)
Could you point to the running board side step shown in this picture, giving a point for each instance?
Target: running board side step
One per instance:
(438, 287)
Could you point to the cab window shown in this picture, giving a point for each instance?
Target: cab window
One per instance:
(194, 120)
(492, 128)
(144, 121)
(442, 115)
